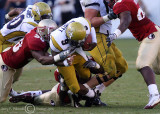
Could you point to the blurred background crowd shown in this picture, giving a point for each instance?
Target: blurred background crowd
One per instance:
(63, 10)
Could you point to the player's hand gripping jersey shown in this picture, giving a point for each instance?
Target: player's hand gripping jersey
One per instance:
(140, 25)
(20, 54)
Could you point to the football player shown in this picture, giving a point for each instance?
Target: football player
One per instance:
(19, 25)
(34, 45)
(107, 55)
(70, 37)
(26, 20)
(145, 31)
(44, 97)
(51, 97)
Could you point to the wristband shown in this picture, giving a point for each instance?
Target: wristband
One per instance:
(117, 32)
(97, 66)
(56, 58)
(105, 18)
(65, 63)
(7, 16)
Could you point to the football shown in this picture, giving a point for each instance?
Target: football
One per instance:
(87, 41)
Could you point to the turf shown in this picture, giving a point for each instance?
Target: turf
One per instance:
(128, 95)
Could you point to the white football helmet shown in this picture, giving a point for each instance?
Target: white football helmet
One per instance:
(45, 27)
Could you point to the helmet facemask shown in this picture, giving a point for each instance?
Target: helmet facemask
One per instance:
(45, 27)
(45, 32)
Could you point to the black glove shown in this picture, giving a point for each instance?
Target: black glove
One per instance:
(112, 15)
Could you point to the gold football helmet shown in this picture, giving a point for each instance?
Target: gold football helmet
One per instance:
(41, 10)
(76, 31)
(45, 27)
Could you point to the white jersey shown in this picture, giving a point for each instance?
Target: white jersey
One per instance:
(102, 7)
(58, 41)
(15, 29)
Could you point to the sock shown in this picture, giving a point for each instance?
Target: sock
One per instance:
(90, 93)
(153, 89)
(13, 93)
(34, 93)
(86, 85)
(100, 87)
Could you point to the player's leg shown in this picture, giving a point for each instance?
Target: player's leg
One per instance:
(50, 97)
(106, 58)
(121, 63)
(15, 78)
(71, 80)
(104, 55)
(147, 53)
(6, 79)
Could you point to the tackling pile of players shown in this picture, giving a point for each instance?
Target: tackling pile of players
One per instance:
(31, 32)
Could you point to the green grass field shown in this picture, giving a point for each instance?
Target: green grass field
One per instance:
(128, 95)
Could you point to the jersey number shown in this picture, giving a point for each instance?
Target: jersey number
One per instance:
(140, 14)
(17, 46)
(15, 22)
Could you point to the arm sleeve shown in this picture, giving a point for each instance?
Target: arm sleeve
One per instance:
(93, 34)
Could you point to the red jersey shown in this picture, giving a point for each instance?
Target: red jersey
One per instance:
(140, 25)
(20, 54)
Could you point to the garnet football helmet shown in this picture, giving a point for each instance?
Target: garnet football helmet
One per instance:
(45, 27)
(41, 10)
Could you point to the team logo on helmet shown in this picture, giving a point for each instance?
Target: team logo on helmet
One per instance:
(4, 68)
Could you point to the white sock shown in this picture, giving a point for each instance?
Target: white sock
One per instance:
(13, 93)
(34, 93)
(86, 85)
(153, 89)
(100, 87)
(90, 93)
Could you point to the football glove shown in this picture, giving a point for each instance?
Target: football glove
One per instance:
(112, 15)
(110, 39)
(91, 64)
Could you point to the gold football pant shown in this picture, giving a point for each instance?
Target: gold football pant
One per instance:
(110, 59)
(69, 73)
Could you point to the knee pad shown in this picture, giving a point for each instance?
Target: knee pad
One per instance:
(105, 78)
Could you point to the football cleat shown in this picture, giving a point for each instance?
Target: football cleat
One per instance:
(24, 97)
(154, 99)
(13, 93)
(89, 102)
(74, 99)
(97, 102)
